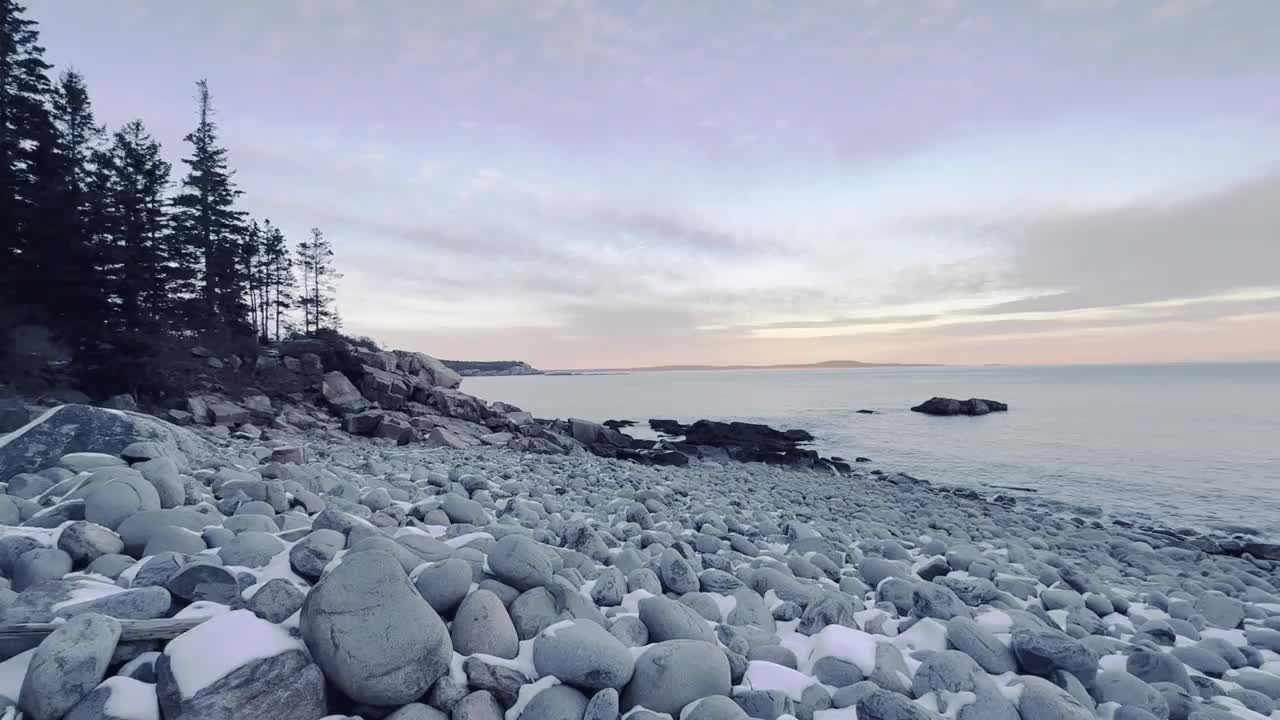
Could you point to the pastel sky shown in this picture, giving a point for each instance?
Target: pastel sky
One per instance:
(591, 183)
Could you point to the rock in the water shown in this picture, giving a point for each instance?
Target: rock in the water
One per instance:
(672, 674)
(583, 654)
(951, 406)
(68, 665)
(371, 632)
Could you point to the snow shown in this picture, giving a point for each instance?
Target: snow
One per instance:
(47, 537)
(527, 692)
(463, 540)
(1235, 637)
(1059, 617)
(997, 621)
(635, 712)
(12, 673)
(952, 701)
(551, 630)
(1115, 661)
(845, 643)
(209, 651)
(131, 699)
(85, 591)
(631, 601)
(927, 634)
(763, 675)
(201, 609)
(277, 568)
(726, 603)
(523, 661)
(848, 713)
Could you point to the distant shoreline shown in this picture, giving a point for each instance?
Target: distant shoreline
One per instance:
(826, 365)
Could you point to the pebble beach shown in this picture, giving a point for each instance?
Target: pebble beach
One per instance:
(325, 576)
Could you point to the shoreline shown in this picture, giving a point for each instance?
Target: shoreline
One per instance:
(497, 584)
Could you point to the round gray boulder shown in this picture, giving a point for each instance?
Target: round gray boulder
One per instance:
(482, 625)
(672, 674)
(444, 584)
(372, 634)
(68, 665)
(251, 549)
(520, 562)
(583, 654)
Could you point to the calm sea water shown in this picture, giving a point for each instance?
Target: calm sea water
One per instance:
(1183, 445)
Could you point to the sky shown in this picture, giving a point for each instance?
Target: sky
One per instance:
(591, 183)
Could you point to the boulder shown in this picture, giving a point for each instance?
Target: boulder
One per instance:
(951, 406)
(341, 395)
(265, 675)
(371, 632)
(583, 654)
(672, 674)
(68, 665)
(79, 428)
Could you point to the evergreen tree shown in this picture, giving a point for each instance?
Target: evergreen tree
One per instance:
(24, 93)
(278, 280)
(208, 228)
(63, 253)
(141, 271)
(315, 260)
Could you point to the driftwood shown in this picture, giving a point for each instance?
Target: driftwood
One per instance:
(30, 634)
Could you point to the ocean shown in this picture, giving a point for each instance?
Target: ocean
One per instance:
(1189, 445)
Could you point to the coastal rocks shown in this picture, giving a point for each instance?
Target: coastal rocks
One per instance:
(951, 406)
(68, 665)
(265, 674)
(371, 632)
(583, 654)
(78, 428)
(672, 674)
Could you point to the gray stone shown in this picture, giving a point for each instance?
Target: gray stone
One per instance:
(417, 711)
(602, 706)
(371, 632)
(504, 682)
(149, 603)
(85, 542)
(74, 428)
(444, 584)
(1120, 687)
(68, 665)
(1041, 650)
(251, 549)
(672, 674)
(40, 565)
(836, 672)
(479, 705)
(204, 581)
(667, 619)
(482, 625)
(137, 530)
(558, 702)
(1258, 681)
(285, 685)
(582, 654)
(533, 611)
(716, 707)
(1220, 610)
(676, 574)
(1042, 700)
(172, 538)
(141, 701)
(111, 502)
(885, 705)
(980, 644)
(1198, 658)
(276, 600)
(309, 556)
(519, 562)
(1153, 667)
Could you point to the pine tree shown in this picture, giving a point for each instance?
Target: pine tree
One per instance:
(63, 253)
(24, 93)
(315, 260)
(278, 280)
(141, 272)
(209, 228)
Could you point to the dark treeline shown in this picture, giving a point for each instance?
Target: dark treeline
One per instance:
(101, 245)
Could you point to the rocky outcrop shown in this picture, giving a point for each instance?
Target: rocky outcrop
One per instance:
(489, 368)
(745, 442)
(951, 406)
(80, 428)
